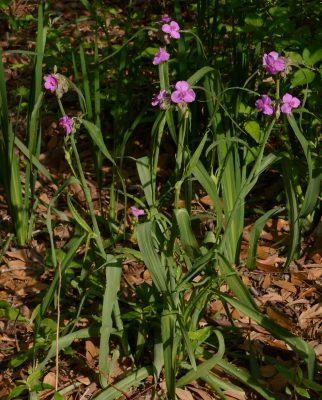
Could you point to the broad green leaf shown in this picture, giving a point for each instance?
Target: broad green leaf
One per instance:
(15, 392)
(314, 58)
(254, 20)
(253, 129)
(302, 76)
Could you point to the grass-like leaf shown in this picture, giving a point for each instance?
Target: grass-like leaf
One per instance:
(113, 269)
(150, 256)
(302, 348)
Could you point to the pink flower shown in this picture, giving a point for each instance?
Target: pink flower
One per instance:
(67, 123)
(137, 211)
(165, 19)
(183, 93)
(289, 102)
(172, 29)
(273, 63)
(51, 82)
(161, 56)
(265, 105)
(159, 99)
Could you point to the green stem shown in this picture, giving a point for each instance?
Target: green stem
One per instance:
(88, 198)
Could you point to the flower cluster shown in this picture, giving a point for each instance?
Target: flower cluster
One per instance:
(171, 30)
(56, 83)
(264, 104)
(183, 93)
(161, 56)
(274, 64)
(67, 123)
(137, 212)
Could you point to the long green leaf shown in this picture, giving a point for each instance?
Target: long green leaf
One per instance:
(187, 237)
(97, 137)
(193, 79)
(144, 170)
(113, 269)
(255, 233)
(169, 335)
(119, 388)
(302, 348)
(204, 368)
(74, 245)
(150, 256)
(234, 282)
(314, 171)
(293, 211)
(67, 340)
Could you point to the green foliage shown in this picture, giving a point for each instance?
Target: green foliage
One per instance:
(221, 147)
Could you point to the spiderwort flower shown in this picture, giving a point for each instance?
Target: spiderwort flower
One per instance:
(51, 82)
(289, 102)
(160, 99)
(165, 19)
(273, 63)
(136, 212)
(183, 93)
(172, 29)
(264, 105)
(161, 56)
(67, 123)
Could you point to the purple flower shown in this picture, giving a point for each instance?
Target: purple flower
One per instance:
(172, 29)
(183, 93)
(51, 82)
(289, 102)
(265, 105)
(67, 123)
(136, 211)
(161, 56)
(159, 99)
(165, 19)
(273, 63)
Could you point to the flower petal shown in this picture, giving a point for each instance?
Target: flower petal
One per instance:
(182, 85)
(287, 98)
(189, 96)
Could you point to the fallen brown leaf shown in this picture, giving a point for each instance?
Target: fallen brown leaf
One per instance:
(280, 319)
(184, 394)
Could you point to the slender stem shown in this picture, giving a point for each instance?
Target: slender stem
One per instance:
(88, 198)
(57, 328)
(277, 89)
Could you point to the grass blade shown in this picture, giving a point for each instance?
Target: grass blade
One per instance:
(302, 348)
(150, 256)
(113, 269)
